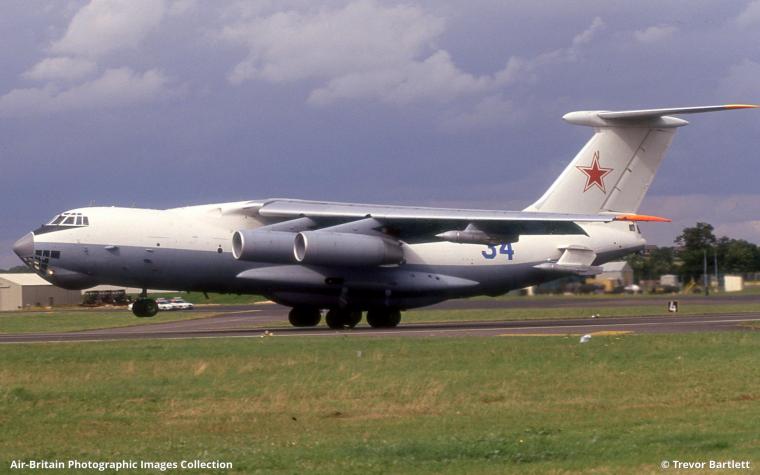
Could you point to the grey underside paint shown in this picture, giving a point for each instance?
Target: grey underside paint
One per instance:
(83, 265)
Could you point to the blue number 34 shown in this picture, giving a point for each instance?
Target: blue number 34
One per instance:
(504, 248)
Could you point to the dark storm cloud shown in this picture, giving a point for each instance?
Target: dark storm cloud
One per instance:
(184, 102)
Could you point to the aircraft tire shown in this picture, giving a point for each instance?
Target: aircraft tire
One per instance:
(338, 319)
(383, 318)
(353, 319)
(304, 316)
(145, 308)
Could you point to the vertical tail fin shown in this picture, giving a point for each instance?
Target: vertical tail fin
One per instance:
(613, 171)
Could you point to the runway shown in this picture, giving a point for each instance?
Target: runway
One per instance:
(268, 320)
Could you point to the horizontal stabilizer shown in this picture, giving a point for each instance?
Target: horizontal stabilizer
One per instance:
(644, 117)
(654, 113)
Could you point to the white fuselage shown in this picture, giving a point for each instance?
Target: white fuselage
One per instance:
(190, 249)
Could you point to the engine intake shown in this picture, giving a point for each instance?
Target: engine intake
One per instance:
(343, 249)
(263, 246)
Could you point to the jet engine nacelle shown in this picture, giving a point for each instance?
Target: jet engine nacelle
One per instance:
(343, 249)
(263, 246)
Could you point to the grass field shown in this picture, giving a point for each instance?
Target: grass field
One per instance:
(617, 404)
(570, 312)
(56, 321)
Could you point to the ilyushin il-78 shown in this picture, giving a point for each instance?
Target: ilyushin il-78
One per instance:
(348, 258)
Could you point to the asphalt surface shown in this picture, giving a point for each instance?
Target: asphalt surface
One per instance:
(267, 319)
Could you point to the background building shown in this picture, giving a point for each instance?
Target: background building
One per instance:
(18, 291)
(616, 275)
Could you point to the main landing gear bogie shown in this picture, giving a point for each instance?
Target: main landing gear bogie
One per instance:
(341, 318)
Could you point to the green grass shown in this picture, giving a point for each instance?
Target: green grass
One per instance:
(418, 316)
(362, 405)
(750, 290)
(57, 321)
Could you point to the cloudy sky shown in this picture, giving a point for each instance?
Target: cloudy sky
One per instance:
(155, 103)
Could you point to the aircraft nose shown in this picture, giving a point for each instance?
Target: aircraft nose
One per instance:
(24, 247)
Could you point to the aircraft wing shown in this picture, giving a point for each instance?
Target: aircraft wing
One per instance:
(423, 224)
(324, 209)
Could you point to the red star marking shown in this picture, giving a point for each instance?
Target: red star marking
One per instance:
(595, 174)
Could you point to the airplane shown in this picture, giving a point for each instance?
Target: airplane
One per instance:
(349, 258)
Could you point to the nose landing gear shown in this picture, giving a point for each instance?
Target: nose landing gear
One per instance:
(144, 306)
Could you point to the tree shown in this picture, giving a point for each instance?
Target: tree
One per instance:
(737, 256)
(653, 264)
(692, 244)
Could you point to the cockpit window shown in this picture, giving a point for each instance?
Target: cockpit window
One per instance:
(70, 219)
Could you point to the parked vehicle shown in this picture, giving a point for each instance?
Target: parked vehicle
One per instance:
(178, 303)
(162, 303)
(175, 303)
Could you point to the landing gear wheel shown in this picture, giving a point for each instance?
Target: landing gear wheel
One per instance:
(338, 319)
(383, 318)
(144, 308)
(353, 319)
(304, 316)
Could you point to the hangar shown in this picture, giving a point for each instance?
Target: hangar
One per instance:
(619, 272)
(18, 291)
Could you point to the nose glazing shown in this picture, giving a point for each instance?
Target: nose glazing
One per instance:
(24, 247)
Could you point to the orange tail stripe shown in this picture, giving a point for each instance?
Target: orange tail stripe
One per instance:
(641, 217)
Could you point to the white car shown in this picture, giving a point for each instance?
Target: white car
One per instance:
(178, 303)
(163, 304)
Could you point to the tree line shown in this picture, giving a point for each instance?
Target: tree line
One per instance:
(686, 258)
